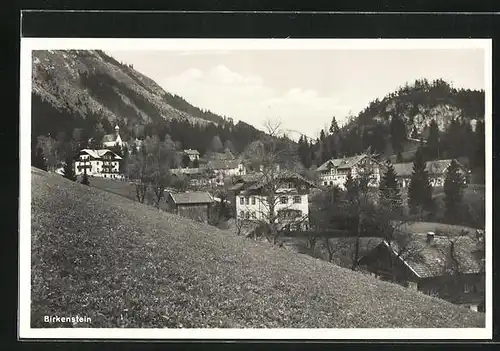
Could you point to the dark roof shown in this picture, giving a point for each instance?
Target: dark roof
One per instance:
(284, 176)
(195, 197)
(429, 260)
(432, 167)
(241, 181)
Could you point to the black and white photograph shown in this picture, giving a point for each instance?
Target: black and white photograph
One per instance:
(256, 188)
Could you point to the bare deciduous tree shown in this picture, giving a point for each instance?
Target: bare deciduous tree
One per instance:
(138, 172)
(275, 158)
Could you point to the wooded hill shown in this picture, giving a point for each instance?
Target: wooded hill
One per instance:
(92, 92)
(449, 121)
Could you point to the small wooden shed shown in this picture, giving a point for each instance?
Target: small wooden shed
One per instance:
(195, 205)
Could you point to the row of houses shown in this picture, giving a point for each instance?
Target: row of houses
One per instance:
(334, 172)
(331, 173)
(422, 267)
(213, 172)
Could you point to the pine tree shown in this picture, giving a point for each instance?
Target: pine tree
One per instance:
(398, 133)
(419, 190)
(69, 170)
(85, 177)
(38, 161)
(216, 144)
(323, 147)
(389, 189)
(334, 127)
(399, 158)
(414, 133)
(453, 139)
(350, 187)
(333, 146)
(433, 142)
(477, 153)
(186, 161)
(453, 186)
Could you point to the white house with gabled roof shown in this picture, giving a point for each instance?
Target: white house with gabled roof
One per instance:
(291, 198)
(334, 172)
(98, 163)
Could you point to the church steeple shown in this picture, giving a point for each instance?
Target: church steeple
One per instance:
(117, 130)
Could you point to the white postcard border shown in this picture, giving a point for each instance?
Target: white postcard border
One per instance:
(30, 44)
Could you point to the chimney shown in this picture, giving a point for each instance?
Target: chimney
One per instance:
(430, 238)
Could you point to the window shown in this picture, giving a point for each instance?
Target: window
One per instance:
(297, 199)
(242, 214)
(254, 215)
(247, 200)
(283, 200)
(253, 200)
(412, 285)
(242, 200)
(325, 183)
(247, 215)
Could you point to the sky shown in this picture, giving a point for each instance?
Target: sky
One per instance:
(303, 89)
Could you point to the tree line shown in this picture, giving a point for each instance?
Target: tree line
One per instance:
(456, 141)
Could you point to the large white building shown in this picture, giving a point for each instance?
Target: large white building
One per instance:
(291, 199)
(334, 172)
(98, 163)
(436, 171)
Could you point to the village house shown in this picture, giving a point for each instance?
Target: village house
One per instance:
(193, 155)
(291, 199)
(98, 163)
(196, 177)
(334, 172)
(435, 265)
(436, 170)
(222, 169)
(112, 140)
(193, 205)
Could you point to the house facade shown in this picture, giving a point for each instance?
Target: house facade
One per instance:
(222, 169)
(193, 155)
(430, 265)
(98, 163)
(436, 170)
(290, 197)
(334, 172)
(196, 177)
(112, 140)
(193, 205)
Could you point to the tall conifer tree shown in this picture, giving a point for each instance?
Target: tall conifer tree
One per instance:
(69, 170)
(419, 190)
(453, 186)
(389, 189)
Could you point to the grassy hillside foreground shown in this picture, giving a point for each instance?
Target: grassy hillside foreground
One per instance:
(124, 264)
